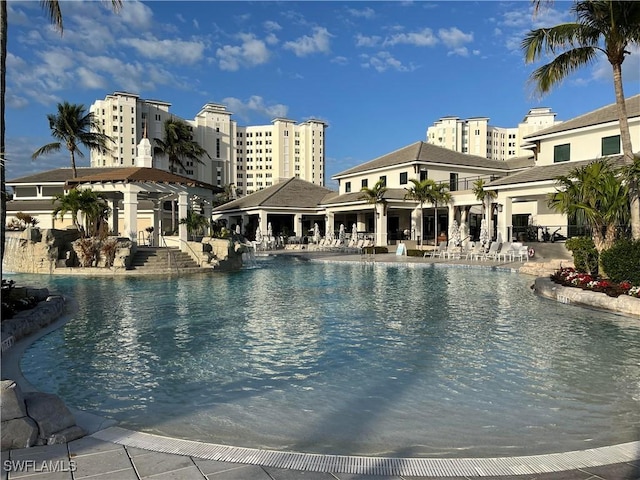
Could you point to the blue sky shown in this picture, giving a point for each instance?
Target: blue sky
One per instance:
(379, 73)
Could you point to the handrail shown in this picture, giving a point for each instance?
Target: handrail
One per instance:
(170, 255)
(194, 255)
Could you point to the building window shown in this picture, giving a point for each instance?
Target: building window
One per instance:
(453, 182)
(611, 145)
(424, 174)
(561, 153)
(383, 180)
(364, 183)
(404, 178)
(347, 187)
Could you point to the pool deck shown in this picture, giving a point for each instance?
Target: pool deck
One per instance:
(120, 454)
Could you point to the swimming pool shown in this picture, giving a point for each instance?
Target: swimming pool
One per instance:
(346, 359)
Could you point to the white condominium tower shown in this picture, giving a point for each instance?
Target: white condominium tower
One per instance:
(249, 157)
(476, 137)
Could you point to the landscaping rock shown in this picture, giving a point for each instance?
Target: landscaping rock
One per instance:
(19, 433)
(67, 435)
(49, 412)
(11, 401)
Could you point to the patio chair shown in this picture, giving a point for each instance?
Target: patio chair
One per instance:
(474, 249)
(522, 253)
(452, 251)
(442, 247)
(492, 253)
(506, 252)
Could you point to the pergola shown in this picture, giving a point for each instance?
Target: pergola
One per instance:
(129, 185)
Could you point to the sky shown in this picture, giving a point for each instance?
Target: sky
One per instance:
(378, 73)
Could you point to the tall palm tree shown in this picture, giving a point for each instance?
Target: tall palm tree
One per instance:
(374, 196)
(178, 144)
(596, 193)
(52, 8)
(482, 195)
(438, 195)
(420, 192)
(93, 206)
(72, 126)
(607, 27)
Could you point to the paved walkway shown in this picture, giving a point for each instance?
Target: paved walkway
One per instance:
(119, 454)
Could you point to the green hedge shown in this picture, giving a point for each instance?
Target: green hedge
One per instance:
(369, 250)
(585, 255)
(622, 261)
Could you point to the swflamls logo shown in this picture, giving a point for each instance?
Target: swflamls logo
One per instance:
(34, 466)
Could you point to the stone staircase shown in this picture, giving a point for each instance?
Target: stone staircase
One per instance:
(157, 260)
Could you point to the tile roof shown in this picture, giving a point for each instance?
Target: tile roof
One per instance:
(547, 172)
(426, 153)
(113, 174)
(606, 114)
(292, 193)
(351, 197)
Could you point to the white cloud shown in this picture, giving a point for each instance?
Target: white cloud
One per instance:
(364, 41)
(364, 13)
(255, 105)
(423, 38)
(454, 38)
(136, 14)
(384, 61)
(307, 45)
(178, 51)
(90, 79)
(271, 26)
(271, 39)
(250, 53)
(339, 60)
(196, 25)
(460, 51)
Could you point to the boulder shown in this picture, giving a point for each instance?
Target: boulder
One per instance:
(49, 412)
(19, 433)
(67, 435)
(11, 401)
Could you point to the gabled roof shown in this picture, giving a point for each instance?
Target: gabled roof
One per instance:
(426, 153)
(292, 193)
(113, 174)
(545, 173)
(602, 115)
(139, 175)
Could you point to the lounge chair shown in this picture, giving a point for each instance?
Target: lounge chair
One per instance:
(492, 253)
(506, 252)
(452, 251)
(442, 247)
(522, 253)
(474, 250)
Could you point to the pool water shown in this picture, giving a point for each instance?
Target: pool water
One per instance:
(345, 359)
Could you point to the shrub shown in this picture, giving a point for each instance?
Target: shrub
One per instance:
(585, 255)
(622, 261)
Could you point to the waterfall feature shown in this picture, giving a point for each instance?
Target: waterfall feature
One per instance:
(249, 257)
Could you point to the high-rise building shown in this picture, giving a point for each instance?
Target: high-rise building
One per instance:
(476, 137)
(249, 157)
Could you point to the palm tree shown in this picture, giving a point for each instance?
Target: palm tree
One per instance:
(194, 222)
(178, 144)
(93, 205)
(438, 194)
(374, 196)
(72, 126)
(596, 193)
(482, 195)
(607, 27)
(420, 192)
(52, 8)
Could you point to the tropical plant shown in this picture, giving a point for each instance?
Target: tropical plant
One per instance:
(607, 27)
(194, 222)
(621, 261)
(26, 219)
(421, 193)
(52, 8)
(438, 195)
(585, 255)
(73, 127)
(93, 206)
(375, 196)
(178, 144)
(597, 193)
(482, 195)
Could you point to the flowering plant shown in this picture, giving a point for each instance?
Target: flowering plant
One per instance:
(569, 277)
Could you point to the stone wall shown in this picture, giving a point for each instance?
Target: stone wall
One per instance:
(219, 253)
(624, 304)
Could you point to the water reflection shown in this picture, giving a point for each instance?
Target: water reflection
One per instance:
(339, 358)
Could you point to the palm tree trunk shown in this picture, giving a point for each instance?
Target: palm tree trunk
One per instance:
(73, 165)
(3, 93)
(627, 150)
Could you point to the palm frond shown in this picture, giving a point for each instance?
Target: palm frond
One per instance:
(547, 76)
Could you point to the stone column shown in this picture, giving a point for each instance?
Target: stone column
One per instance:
(381, 225)
(297, 224)
(361, 221)
(504, 219)
(183, 234)
(113, 221)
(157, 216)
(131, 214)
